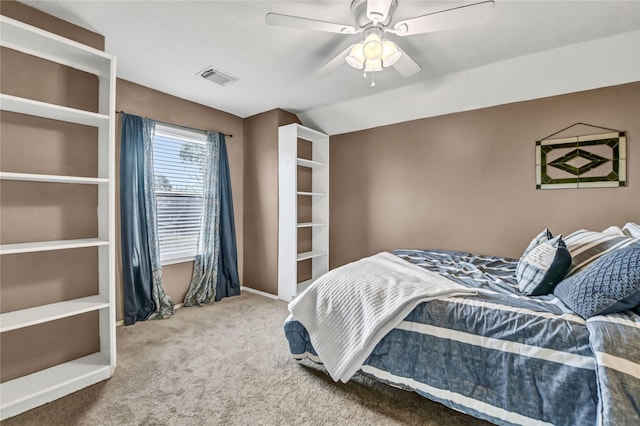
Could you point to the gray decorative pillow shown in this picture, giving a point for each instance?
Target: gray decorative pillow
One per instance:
(544, 264)
(610, 284)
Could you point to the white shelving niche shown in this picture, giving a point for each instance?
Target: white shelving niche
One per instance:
(23, 393)
(288, 194)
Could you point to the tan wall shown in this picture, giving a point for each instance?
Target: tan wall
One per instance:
(261, 199)
(466, 181)
(139, 100)
(31, 211)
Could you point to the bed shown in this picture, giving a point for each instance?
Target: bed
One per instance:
(493, 352)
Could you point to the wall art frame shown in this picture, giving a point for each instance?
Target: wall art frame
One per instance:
(589, 161)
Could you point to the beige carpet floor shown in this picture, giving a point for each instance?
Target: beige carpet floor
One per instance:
(228, 364)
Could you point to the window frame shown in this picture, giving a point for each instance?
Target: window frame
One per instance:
(181, 135)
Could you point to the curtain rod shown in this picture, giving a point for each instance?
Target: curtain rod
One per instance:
(185, 127)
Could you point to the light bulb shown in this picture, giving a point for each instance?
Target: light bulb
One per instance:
(390, 53)
(373, 66)
(356, 57)
(372, 48)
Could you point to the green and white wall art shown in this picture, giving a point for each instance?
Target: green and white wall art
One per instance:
(590, 161)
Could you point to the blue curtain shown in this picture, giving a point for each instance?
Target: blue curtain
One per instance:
(144, 297)
(228, 280)
(202, 288)
(215, 271)
(162, 302)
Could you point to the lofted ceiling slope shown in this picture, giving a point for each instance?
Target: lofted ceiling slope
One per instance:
(528, 49)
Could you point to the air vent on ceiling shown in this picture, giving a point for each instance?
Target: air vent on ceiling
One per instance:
(217, 76)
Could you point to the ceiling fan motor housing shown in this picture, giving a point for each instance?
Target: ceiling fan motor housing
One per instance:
(359, 13)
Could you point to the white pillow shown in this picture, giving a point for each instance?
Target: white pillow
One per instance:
(586, 246)
(614, 230)
(631, 230)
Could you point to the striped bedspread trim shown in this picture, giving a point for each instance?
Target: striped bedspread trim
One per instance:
(495, 306)
(615, 341)
(560, 357)
(619, 364)
(461, 400)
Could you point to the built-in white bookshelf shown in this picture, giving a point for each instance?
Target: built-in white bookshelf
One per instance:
(310, 224)
(43, 386)
(51, 312)
(288, 161)
(32, 177)
(51, 245)
(52, 111)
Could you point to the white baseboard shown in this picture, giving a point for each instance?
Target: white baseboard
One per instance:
(261, 293)
(242, 288)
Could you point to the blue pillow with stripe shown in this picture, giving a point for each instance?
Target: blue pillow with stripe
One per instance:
(543, 265)
(610, 284)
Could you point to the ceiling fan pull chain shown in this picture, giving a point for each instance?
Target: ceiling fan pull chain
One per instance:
(373, 79)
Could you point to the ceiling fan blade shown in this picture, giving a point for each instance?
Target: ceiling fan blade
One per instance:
(463, 16)
(378, 10)
(307, 24)
(406, 66)
(335, 63)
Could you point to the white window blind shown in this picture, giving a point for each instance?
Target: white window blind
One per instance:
(179, 155)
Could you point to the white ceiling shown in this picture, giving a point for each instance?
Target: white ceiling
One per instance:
(163, 44)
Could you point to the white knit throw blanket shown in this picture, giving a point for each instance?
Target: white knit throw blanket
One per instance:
(350, 309)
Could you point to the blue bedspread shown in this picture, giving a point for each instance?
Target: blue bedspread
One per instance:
(503, 356)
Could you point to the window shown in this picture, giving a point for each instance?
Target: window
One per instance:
(178, 159)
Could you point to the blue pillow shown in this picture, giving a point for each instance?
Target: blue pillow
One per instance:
(610, 284)
(544, 264)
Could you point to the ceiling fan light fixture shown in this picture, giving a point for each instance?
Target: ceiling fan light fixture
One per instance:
(390, 53)
(373, 65)
(372, 47)
(356, 57)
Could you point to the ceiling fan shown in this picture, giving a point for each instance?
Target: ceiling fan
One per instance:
(373, 18)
